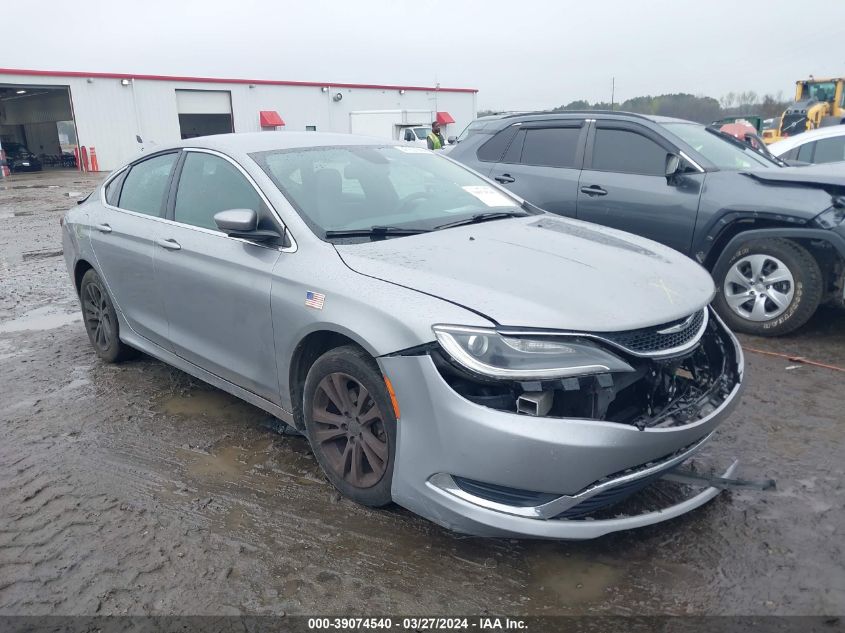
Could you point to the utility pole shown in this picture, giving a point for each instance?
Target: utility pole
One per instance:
(612, 91)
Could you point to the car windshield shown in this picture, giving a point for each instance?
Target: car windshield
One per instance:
(347, 188)
(422, 132)
(720, 151)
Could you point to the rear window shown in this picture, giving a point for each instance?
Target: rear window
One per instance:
(475, 127)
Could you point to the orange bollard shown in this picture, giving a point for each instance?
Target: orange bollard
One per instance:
(95, 166)
(4, 171)
(76, 158)
(84, 159)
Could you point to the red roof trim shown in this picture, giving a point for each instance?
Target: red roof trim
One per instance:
(444, 118)
(261, 82)
(269, 118)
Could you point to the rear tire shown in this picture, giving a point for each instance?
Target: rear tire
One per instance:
(351, 425)
(100, 319)
(768, 287)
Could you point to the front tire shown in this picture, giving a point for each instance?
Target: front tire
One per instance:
(100, 320)
(351, 425)
(768, 287)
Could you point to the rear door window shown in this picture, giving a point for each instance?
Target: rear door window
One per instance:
(830, 150)
(145, 186)
(628, 152)
(551, 147)
(805, 152)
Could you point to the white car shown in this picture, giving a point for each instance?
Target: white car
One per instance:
(824, 145)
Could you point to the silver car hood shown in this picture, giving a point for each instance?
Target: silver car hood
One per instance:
(542, 271)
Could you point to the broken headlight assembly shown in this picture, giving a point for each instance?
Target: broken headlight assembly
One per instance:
(487, 353)
(575, 376)
(834, 216)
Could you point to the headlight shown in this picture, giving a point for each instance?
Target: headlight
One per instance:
(834, 216)
(486, 352)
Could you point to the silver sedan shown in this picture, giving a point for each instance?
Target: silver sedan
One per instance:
(441, 343)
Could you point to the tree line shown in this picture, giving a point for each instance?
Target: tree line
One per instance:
(687, 106)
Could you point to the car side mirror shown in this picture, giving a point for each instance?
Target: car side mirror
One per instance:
(236, 220)
(243, 223)
(451, 140)
(673, 165)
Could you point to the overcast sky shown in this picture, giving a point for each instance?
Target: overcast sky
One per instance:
(523, 54)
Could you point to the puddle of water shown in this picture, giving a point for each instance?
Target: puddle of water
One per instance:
(572, 580)
(227, 461)
(205, 403)
(44, 318)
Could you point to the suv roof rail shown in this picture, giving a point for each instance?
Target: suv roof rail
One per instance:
(556, 112)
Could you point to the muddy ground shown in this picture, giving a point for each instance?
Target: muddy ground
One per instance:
(136, 489)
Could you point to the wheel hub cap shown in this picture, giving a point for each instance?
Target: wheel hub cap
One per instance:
(349, 430)
(97, 317)
(759, 287)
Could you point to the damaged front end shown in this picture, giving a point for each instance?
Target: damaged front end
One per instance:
(668, 377)
(657, 377)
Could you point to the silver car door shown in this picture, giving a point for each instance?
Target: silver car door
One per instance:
(124, 226)
(215, 288)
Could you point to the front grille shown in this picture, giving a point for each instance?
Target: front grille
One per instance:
(654, 340)
(793, 124)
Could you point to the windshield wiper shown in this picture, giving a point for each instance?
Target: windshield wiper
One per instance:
(375, 232)
(482, 217)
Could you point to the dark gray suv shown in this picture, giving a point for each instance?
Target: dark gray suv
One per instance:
(773, 237)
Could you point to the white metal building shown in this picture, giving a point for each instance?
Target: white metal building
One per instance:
(110, 117)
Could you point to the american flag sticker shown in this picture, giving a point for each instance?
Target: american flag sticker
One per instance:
(315, 300)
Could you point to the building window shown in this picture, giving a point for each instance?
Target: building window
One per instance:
(310, 128)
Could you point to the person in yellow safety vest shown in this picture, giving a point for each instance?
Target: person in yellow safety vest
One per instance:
(435, 138)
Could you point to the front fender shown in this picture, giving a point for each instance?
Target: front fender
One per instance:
(380, 316)
(833, 238)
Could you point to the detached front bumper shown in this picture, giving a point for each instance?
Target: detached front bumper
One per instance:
(445, 441)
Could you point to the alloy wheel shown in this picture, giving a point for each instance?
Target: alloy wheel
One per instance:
(98, 319)
(759, 287)
(349, 430)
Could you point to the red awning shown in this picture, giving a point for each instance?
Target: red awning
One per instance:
(444, 118)
(270, 118)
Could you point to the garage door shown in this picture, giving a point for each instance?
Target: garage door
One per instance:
(204, 112)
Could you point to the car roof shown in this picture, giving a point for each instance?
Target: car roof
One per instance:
(806, 137)
(249, 142)
(568, 114)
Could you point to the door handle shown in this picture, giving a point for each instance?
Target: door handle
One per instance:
(594, 190)
(103, 228)
(504, 178)
(170, 244)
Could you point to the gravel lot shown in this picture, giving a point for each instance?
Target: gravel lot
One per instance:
(135, 489)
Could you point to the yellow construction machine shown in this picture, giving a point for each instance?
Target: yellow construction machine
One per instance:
(818, 103)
